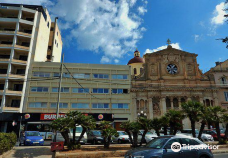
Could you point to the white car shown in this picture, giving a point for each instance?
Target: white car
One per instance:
(204, 137)
(122, 138)
(60, 138)
(148, 137)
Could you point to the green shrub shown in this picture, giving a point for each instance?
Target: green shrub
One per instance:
(222, 141)
(7, 141)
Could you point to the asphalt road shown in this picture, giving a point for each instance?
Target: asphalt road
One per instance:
(225, 155)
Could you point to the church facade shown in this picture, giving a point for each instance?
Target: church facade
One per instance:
(166, 79)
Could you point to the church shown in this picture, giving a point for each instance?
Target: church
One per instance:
(164, 79)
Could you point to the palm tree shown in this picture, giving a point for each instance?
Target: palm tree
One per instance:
(127, 128)
(145, 125)
(164, 120)
(215, 116)
(87, 122)
(192, 111)
(204, 119)
(107, 132)
(156, 125)
(225, 120)
(73, 116)
(175, 120)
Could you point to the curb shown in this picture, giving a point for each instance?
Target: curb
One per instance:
(5, 154)
(219, 152)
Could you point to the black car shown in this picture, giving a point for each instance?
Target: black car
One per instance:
(94, 137)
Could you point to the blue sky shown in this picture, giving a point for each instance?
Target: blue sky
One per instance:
(105, 31)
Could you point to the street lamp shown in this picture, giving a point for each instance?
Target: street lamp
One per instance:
(142, 114)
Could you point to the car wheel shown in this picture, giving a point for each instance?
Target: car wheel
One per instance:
(119, 141)
(94, 142)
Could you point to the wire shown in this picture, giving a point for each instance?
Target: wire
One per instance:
(78, 82)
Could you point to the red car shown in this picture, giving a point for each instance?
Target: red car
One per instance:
(213, 133)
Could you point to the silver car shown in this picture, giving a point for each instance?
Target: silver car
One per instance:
(122, 138)
(204, 137)
(148, 137)
(178, 146)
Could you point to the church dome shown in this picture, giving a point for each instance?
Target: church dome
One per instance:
(136, 59)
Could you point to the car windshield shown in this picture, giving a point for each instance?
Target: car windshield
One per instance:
(157, 143)
(97, 133)
(33, 134)
(78, 130)
(122, 133)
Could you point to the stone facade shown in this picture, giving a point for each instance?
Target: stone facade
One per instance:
(170, 77)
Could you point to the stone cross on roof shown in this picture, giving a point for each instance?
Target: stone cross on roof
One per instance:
(168, 42)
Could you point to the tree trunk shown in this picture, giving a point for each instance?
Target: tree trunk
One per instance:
(203, 123)
(66, 137)
(107, 142)
(217, 130)
(74, 131)
(175, 131)
(226, 132)
(193, 128)
(165, 130)
(158, 133)
(135, 139)
(130, 138)
(143, 137)
(81, 135)
(171, 128)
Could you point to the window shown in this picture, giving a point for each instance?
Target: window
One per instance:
(168, 145)
(80, 105)
(81, 75)
(57, 33)
(223, 80)
(135, 71)
(119, 77)
(65, 75)
(189, 141)
(61, 105)
(39, 89)
(120, 106)
(100, 105)
(48, 24)
(55, 41)
(226, 96)
(38, 105)
(52, 28)
(80, 90)
(103, 76)
(100, 90)
(41, 74)
(119, 91)
(63, 89)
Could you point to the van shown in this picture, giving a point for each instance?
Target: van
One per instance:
(60, 138)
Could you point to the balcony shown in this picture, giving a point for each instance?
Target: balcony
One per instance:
(16, 76)
(29, 16)
(11, 109)
(9, 13)
(7, 28)
(18, 62)
(13, 92)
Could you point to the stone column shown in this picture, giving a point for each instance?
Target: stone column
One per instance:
(179, 103)
(171, 101)
(150, 104)
(163, 106)
(201, 100)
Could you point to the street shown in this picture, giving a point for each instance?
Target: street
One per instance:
(223, 155)
(31, 152)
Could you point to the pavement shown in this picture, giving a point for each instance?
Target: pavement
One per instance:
(223, 155)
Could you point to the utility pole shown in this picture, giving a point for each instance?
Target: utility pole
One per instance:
(59, 92)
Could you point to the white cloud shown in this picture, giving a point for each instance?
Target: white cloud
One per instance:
(142, 10)
(219, 12)
(105, 59)
(103, 26)
(174, 45)
(116, 61)
(196, 37)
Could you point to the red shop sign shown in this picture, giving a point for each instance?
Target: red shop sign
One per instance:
(50, 116)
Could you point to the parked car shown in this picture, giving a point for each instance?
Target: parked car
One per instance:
(122, 138)
(160, 147)
(148, 137)
(60, 138)
(204, 137)
(94, 137)
(31, 138)
(213, 133)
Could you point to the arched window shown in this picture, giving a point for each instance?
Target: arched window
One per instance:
(223, 80)
(135, 71)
